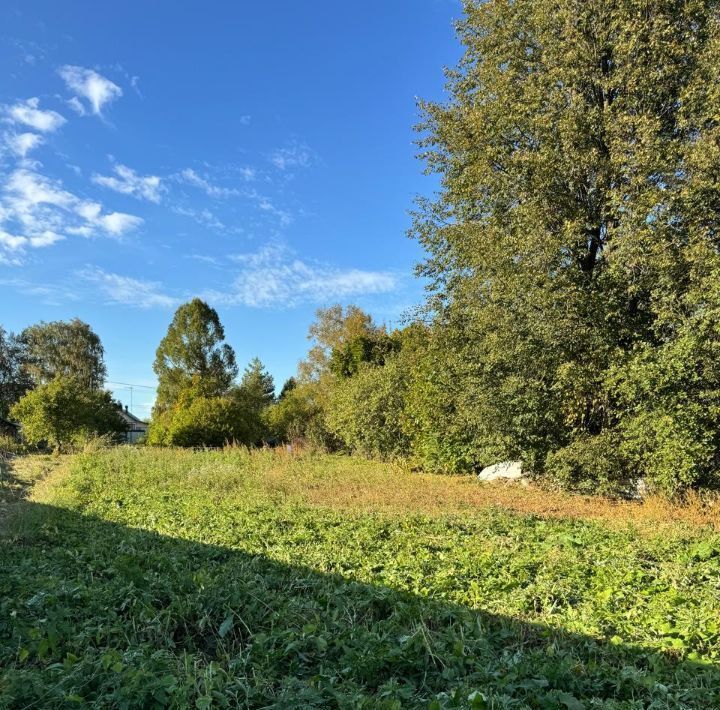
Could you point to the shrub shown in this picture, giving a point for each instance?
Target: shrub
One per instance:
(206, 421)
(590, 464)
(63, 410)
(366, 411)
(300, 415)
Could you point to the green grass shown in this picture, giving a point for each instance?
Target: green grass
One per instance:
(139, 578)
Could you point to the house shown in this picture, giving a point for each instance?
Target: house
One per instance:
(136, 427)
(9, 429)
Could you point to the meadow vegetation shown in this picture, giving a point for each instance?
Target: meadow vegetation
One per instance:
(155, 577)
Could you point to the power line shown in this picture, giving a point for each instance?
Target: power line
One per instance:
(129, 384)
(131, 387)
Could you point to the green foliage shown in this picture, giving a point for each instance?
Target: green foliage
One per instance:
(63, 412)
(333, 330)
(346, 360)
(257, 387)
(154, 578)
(572, 250)
(300, 415)
(66, 349)
(14, 381)
(195, 420)
(366, 411)
(290, 384)
(192, 355)
(12, 446)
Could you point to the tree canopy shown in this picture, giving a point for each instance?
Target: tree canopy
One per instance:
(573, 248)
(14, 381)
(64, 349)
(193, 355)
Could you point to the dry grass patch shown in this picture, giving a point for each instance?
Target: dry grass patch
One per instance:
(340, 482)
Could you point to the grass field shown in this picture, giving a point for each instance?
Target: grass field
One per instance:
(144, 578)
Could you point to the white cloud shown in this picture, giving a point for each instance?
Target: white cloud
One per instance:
(76, 105)
(36, 211)
(22, 143)
(96, 89)
(12, 242)
(296, 155)
(28, 114)
(275, 277)
(204, 217)
(45, 239)
(127, 290)
(189, 176)
(118, 223)
(128, 182)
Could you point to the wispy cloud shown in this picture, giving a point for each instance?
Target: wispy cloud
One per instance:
(22, 143)
(128, 182)
(127, 290)
(36, 211)
(189, 176)
(295, 155)
(87, 84)
(274, 276)
(29, 113)
(203, 216)
(49, 294)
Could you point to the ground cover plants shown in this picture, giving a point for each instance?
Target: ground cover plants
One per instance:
(154, 578)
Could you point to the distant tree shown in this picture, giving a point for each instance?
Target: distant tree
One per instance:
(62, 411)
(193, 355)
(333, 330)
(14, 380)
(367, 411)
(300, 415)
(289, 386)
(257, 384)
(64, 349)
(346, 359)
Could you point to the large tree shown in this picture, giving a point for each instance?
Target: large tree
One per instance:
(193, 356)
(14, 381)
(64, 349)
(576, 234)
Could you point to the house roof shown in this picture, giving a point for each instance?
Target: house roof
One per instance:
(130, 417)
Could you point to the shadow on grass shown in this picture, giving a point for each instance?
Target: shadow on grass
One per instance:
(96, 613)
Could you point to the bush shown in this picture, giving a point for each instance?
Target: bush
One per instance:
(590, 464)
(300, 415)
(206, 421)
(670, 398)
(367, 411)
(63, 411)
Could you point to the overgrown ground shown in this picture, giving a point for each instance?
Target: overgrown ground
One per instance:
(141, 578)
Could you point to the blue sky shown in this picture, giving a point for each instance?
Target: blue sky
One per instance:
(259, 155)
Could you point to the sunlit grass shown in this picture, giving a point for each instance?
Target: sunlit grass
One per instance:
(155, 577)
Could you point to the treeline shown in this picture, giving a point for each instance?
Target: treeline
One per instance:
(573, 257)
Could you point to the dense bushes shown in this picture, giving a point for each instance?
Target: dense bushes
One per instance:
(367, 411)
(64, 412)
(205, 421)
